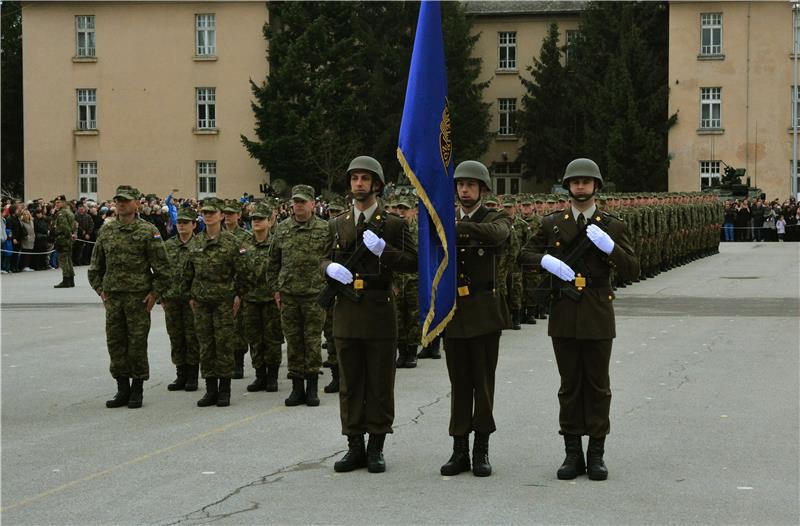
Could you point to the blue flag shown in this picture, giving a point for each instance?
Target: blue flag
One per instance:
(425, 151)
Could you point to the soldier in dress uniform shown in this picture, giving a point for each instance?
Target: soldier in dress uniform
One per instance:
(366, 329)
(472, 338)
(129, 271)
(178, 313)
(232, 210)
(299, 244)
(582, 314)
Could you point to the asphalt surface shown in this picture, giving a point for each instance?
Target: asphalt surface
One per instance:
(705, 426)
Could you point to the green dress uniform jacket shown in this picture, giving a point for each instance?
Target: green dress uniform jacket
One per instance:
(480, 307)
(593, 316)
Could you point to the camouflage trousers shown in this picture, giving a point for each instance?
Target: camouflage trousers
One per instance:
(262, 327)
(515, 289)
(65, 260)
(327, 330)
(302, 320)
(179, 318)
(530, 281)
(407, 303)
(213, 323)
(127, 328)
(239, 341)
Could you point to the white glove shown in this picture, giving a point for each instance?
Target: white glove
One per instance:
(339, 273)
(557, 268)
(374, 243)
(600, 239)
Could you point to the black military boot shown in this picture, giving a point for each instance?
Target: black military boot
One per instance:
(435, 344)
(66, 283)
(375, 462)
(238, 365)
(212, 392)
(260, 383)
(191, 376)
(401, 357)
(539, 312)
(123, 393)
(180, 380)
(459, 460)
(528, 317)
(298, 394)
(312, 390)
(411, 357)
(425, 352)
(224, 392)
(135, 399)
(356, 456)
(480, 455)
(515, 320)
(272, 379)
(574, 464)
(594, 459)
(333, 387)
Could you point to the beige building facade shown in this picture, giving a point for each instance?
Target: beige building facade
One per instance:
(511, 35)
(152, 94)
(731, 85)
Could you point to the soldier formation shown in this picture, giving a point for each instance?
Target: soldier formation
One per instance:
(226, 290)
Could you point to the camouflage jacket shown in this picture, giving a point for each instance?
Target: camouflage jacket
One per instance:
(129, 258)
(242, 235)
(209, 273)
(178, 252)
(252, 271)
(295, 254)
(402, 278)
(64, 226)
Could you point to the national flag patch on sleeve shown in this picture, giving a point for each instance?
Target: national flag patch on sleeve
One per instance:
(242, 250)
(156, 236)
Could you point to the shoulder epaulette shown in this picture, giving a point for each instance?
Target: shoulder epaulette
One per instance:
(559, 211)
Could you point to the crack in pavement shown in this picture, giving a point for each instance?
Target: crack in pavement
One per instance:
(205, 514)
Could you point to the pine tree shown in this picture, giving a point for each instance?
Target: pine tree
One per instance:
(545, 114)
(12, 164)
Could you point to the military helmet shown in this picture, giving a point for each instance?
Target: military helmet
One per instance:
(582, 167)
(369, 164)
(473, 170)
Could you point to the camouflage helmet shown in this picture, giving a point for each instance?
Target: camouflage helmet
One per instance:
(367, 163)
(473, 170)
(582, 167)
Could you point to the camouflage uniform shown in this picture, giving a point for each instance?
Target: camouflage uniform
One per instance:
(293, 270)
(407, 304)
(64, 229)
(260, 313)
(209, 278)
(239, 342)
(128, 263)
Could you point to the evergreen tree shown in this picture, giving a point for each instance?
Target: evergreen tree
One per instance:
(546, 113)
(337, 83)
(12, 156)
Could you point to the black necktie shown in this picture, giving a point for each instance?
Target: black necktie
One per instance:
(360, 226)
(581, 222)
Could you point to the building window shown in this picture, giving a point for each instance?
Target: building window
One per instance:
(709, 174)
(796, 38)
(206, 179)
(87, 109)
(206, 108)
(571, 39)
(507, 178)
(508, 110)
(710, 108)
(206, 34)
(84, 27)
(507, 47)
(796, 106)
(87, 179)
(711, 33)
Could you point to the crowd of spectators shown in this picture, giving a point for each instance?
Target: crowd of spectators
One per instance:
(761, 220)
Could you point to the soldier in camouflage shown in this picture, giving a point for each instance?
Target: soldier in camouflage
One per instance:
(211, 282)
(406, 289)
(129, 271)
(232, 209)
(178, 313)
(259, 311)
(335, 208)
(294, 255)
(65, 230)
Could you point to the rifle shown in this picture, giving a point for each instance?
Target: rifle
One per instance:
(556, 286)
(328, 295)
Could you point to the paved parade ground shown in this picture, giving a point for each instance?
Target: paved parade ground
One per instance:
(704, 421)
